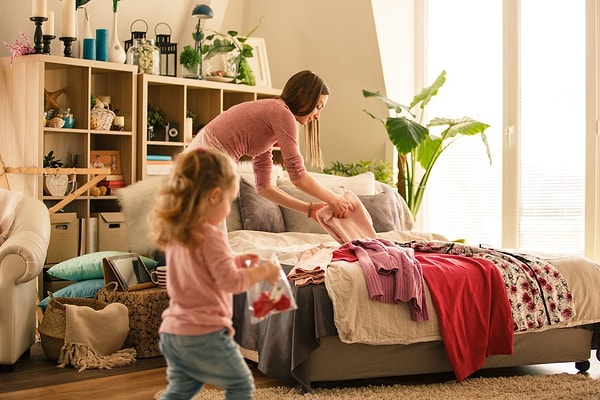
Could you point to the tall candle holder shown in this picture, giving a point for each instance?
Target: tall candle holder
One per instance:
(68, 41)
(38, 36)
(47, 41)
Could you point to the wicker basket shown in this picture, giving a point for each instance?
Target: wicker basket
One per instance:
(101, 118)
(52, 327)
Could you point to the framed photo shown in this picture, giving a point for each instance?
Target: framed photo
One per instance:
(259, 63)
(106, 159)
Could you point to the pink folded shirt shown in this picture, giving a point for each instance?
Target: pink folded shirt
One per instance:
(357, 223)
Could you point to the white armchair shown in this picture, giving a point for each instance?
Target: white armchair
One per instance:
(22, 257)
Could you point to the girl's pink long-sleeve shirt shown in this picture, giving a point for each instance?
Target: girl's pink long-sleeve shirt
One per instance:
(252, 128)
(201, 282)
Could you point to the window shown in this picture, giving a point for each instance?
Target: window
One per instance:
(545, 179)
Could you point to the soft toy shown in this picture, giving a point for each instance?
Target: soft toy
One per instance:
(98, 191)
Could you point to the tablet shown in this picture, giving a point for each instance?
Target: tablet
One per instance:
(128, 270)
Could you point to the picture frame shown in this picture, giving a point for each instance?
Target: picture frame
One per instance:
(106, 159)
(259, 63)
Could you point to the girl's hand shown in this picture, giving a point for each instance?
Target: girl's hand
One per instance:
(272, 271)
(250, 260)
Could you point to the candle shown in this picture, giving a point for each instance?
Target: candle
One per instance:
(38, 8)
(49, 25)
(119, 121)
(68, 18)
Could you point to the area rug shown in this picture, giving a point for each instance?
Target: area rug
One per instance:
(561, 386)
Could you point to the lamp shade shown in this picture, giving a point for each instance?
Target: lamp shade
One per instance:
(202, 11)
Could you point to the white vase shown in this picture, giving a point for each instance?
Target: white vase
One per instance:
(116, 52)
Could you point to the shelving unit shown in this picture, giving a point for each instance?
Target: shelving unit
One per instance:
(175, 97)
(25, 140)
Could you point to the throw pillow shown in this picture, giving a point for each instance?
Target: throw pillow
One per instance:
(83, 289)
(296, 221)
(89, 266)
(257, 213)
(378, 206)
(362, 184)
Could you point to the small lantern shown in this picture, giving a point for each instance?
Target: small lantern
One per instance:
(168, 52)
(136, 34)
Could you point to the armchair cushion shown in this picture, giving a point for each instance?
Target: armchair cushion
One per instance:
(8, 204)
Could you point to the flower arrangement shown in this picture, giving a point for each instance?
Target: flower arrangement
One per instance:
(19, 48)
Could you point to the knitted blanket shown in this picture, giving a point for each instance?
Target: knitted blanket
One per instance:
(93, 338)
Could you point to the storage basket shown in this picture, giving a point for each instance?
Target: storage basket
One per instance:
(52, 327)
(101, 118)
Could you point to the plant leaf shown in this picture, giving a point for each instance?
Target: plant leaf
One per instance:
(428, 92)
(427, 149)
(405, 134)
(391, 104)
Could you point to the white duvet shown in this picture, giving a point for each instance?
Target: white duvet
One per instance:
(358, 319)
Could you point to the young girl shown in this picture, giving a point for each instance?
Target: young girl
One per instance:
(196, 333)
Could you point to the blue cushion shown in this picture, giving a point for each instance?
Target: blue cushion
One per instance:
(89, 266)
(82, 289)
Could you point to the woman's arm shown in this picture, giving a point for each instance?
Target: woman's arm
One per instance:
(311, 186)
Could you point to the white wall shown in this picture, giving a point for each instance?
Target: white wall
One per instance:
(335, 39)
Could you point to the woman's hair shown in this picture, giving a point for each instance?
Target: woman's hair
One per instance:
(182, 200)
(301, 94)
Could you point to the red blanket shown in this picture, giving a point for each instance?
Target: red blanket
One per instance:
(472, 306)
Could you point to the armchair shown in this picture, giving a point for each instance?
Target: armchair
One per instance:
(22, 257)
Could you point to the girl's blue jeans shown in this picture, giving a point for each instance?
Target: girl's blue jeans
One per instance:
(214, 358)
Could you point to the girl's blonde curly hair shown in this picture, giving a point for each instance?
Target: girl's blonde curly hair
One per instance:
(182, 200)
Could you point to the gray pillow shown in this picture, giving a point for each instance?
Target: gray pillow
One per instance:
(257, 213)
(296, 221)
(378, 206)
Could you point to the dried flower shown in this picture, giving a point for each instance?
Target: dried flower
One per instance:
(19, 49)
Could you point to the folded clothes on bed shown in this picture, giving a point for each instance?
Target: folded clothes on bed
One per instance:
(356, 224)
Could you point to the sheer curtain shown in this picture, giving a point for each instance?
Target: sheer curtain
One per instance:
(464, 197)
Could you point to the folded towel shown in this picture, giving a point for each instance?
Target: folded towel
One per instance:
(357, 224)
(93, 337)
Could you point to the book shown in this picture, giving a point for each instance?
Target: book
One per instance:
(158, 157)
(113, 177)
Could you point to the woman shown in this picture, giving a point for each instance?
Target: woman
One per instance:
(253, 128)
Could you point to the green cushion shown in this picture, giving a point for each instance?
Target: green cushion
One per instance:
(82, 289)
(89, 266)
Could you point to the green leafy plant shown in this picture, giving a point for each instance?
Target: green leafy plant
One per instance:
(189, 57)
(51, 162)
(231, 42)
(380, 169)
(155, 117)
(416, 144)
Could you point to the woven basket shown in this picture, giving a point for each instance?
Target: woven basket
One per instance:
(52, 327)
(101, 118)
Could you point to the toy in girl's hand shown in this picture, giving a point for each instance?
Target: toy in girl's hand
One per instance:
(265, 299)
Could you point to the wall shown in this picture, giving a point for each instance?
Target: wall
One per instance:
(331, 38)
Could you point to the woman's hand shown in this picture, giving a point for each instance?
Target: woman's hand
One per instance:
(340, 206)
(316, 207)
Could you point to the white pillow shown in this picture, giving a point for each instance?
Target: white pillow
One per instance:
(362, 184)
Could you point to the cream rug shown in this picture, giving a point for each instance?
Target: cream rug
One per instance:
(561, 386)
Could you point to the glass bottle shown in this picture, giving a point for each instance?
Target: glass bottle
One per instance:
(145, 55)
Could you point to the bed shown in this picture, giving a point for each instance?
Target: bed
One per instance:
(330, 338)
(321, 341)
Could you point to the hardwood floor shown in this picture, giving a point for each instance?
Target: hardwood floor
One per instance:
(144, 384)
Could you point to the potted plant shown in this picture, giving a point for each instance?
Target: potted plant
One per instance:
(189, 59)
(156, 120)
(416, 144)
(54, 184)
(225, 55)
(381, 170)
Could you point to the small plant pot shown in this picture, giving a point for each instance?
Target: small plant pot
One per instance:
(190, 72)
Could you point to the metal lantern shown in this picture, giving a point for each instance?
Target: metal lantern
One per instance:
(168, 51)
(136, 34)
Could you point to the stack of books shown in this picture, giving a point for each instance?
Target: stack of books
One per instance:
(157, 164)
(112, 183)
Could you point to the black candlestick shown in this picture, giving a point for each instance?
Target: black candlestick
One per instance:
(47, 40)
(67, 40)
(38, 36)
